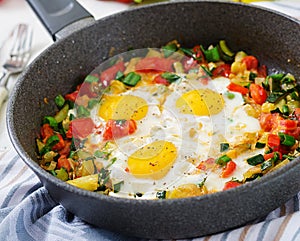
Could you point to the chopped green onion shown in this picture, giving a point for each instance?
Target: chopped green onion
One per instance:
(188, 52)
(211, 55)
(119, 76)
(82, 111)
(161, 194)
(92, 103)
(224, 147)
(91, 79)
(169, 49)
(260, 145)
(117, 186)
(170, 77)
(132, 79)
(252, 76)
(59, 101)
(51, 121)
(277, 77)
(206, 70)
(223, 160)
(285, 110)
(275, 96)
(255, 160)
(286, 140)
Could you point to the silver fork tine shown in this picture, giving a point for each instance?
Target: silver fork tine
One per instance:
(18, 56)
(22, 40)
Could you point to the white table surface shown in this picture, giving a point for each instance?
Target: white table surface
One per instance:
(13, 12)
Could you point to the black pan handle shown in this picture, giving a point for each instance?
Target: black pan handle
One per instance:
(58, 14)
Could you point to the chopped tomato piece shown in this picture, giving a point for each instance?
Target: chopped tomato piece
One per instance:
(288, 124)
(155, 64)
(251, 62)
(228, 169)
(67, 148)
(86, 89)
(109, 74)
(63, 162)
(271, 155)
(262, 71)
(160, 80)
(258, 94)
(231, 184)
(46, 132)
(222, 70)
(81, 127)
(72, 96)
(273, 141)
(269, 122)
(238, 88)
(60, 145)
(199, 54)
(118, 129)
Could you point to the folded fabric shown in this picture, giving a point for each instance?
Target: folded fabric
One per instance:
(27, 212)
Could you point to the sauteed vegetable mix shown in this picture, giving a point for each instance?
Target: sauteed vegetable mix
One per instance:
(175, 122)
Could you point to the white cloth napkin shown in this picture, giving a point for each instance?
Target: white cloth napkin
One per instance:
(27, 212)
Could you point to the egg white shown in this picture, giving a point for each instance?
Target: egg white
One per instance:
(195, 137)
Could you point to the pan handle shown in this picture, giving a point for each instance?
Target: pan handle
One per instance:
(59, 15)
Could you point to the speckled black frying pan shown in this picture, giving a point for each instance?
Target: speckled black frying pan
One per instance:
(271, 36)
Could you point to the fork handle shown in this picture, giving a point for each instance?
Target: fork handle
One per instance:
(4, 74)
(3, 95)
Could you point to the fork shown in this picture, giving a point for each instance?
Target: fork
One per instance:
(18, 58)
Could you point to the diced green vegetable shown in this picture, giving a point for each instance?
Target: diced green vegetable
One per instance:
(51, 121)
(260, 145)
(286, 140)
(255, 160)
(82, 111)
(92, 103)
(91, 79)
(225, 53)
(59, 101)
(169, 49)
(170, 77)
(225, 48)
(188, 52)
(223, 160)
(211, 55)
(161, 194)
(224, 147)
(62, 114)
(252, 76)
(117, 186)
(132, 79)
(119, 76)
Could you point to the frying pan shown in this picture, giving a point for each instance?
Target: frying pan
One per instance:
(271, 36)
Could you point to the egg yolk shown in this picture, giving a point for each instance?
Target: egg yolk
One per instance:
(153, 160)
(202, 102)
(122, 107)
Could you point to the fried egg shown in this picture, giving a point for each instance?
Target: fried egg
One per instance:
(177, 127)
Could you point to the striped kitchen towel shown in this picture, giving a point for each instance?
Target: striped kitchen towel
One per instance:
(27, 212)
